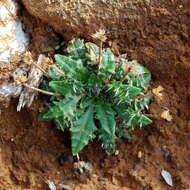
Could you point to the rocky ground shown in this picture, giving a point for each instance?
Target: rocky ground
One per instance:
(156, 33)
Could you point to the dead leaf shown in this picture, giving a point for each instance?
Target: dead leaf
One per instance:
(27, 57)
(166, 115)
(158, 91)
(100, 35)
(20, 79)
(81, 166)
(167, 177)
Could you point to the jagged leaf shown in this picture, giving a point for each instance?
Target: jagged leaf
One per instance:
(106, 115)
(76, 49)
(137, 74)
(61, 87)
(124, 91)
(54, 74)
(135, 67)
(135, 118)
(142, 103)
(64, 107)
(95, 84)
(93, 52)
(107, 64)
(86, 102)
(82, 131)
(140, 81)
(72, 68)
(131, 91)
(61, 123)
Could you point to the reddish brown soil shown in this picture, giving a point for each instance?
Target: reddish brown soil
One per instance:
(32, 152)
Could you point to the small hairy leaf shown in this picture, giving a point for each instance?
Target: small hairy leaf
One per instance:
(82, 131)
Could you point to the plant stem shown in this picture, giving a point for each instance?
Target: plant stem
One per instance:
(100, 52)
(154, 116)
(124, 77)
(137, 97)
(44, 91)
(78, 158)
(58, 70)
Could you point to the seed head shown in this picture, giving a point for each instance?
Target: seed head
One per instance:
(100, 35)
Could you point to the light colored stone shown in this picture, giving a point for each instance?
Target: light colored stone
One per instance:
(13, 40)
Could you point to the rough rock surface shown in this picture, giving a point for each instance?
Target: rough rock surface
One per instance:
(13, 40)
(152, 31)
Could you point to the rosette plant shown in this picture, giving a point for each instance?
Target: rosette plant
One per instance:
(100, 95)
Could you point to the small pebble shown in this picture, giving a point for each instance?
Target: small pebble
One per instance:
(139, 154)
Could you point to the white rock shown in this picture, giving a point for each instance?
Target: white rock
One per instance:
(13, 40)
(51, 185)
(167, 177)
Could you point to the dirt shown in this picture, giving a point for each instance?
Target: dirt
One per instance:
(32, 152)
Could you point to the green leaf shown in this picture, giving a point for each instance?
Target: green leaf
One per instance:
(61, 123)
(86, 102)
(93, 52)
(131, 91)
(71, 68)
(135, 67)
(131, 117)
(107, 65)
(54, 74)
(144, 120)
(82, 131)
(59, 46)
(65, 107)
(137, 119)
(140, 81)
(92, 47)
(142, 103)
(106, 115)
(95, 85)
(138, 75)
(121, 110)
(62, 88)
(76, 49)
(124, 92)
